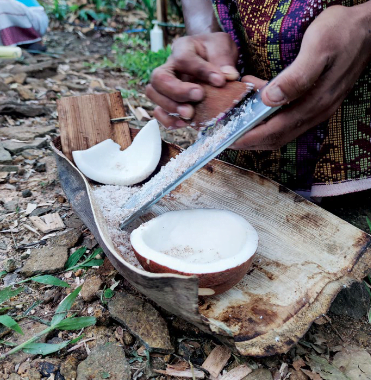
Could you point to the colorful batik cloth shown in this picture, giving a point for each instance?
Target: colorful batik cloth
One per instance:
(331, 159)
(21, 22)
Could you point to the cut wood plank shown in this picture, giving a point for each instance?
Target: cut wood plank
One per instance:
(48, 223)
(216, 361)
(188, 373)
(237, 373)
(141, 114)
(85, 121)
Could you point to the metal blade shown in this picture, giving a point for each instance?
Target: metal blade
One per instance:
(241, 120)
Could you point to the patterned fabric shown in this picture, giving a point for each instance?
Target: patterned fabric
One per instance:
(20, 24)
(335, 157)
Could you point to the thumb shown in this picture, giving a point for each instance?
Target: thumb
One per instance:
(295, 80)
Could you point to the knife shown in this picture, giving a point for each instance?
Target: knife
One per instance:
(212, 142)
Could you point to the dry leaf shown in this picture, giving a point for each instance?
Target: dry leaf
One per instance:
(297, 364)
(354, 362)
(312, 375)
(237, 373)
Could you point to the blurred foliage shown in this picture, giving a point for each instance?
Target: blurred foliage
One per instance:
(96, 10)
(133, 55)
(101, 11)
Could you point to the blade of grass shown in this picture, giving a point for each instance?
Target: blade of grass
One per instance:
(50, 280)
(44, 348)
(368, 222)
(7, 293)
(64, 306)
(74, 258)
(75, 323)
(8, 321)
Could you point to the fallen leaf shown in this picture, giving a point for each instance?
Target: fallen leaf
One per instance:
(297, 364)
(355, 362)
(325, 369)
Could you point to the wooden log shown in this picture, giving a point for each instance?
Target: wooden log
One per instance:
(85, 121)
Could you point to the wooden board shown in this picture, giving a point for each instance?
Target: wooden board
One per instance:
(85, 121)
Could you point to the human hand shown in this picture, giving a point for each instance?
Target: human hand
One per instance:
(334, 51)
(210, 58)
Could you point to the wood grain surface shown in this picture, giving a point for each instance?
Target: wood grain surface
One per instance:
(85, 121)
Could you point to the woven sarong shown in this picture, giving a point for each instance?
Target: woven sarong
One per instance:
(20, 24)
(333, 158)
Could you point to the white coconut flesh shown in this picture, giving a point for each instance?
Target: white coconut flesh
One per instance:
(107, 164)
(196, 241)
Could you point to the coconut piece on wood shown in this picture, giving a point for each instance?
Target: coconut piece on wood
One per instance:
(107, 164)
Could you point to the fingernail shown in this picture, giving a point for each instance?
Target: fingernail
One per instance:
(230, 72)
(180, 123)
(185, 111)
(275, 95)
(196, 94)
(216, 79)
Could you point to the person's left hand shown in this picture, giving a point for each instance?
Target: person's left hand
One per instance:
(335, 50)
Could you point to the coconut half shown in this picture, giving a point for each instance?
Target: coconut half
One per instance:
(215, 245)
(107, 164)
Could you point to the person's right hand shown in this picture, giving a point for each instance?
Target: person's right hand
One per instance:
(210, 58)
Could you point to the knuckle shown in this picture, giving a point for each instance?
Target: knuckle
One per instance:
(155, 73)
(149, 90)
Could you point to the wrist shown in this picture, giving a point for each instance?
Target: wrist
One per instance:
(199, 17)
(362, 14)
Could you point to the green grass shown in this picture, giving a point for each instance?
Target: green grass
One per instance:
(133, 55)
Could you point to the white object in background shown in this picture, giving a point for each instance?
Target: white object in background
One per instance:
(157, 37)
(10, 52)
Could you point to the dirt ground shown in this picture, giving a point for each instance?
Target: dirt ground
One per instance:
(337, 347)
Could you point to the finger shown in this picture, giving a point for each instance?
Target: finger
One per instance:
(270, 135)
(224, 55)
(192, 59)
(183, 109)
(296, 79)
(257, 82)
(169, 122)
(166, 83)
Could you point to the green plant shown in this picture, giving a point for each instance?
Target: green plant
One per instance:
(60, 321)
(132, 55)
(71, 264)
(60, 10)
(141, 64)
(89, 261)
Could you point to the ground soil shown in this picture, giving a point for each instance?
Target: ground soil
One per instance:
(72, 50)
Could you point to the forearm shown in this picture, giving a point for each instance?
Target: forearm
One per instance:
(199, 17)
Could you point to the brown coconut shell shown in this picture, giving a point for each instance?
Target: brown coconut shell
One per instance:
(218, 101)
(218, 282)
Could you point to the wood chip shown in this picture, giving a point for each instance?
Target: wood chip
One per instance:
(30, 207)
(3, 176)
(217, 359)
(237, 373)
(48, 223)
(142, 114)
(31, 229)
(188, 373)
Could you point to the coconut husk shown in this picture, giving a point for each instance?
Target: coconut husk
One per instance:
(218, 101)
(305, 255)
